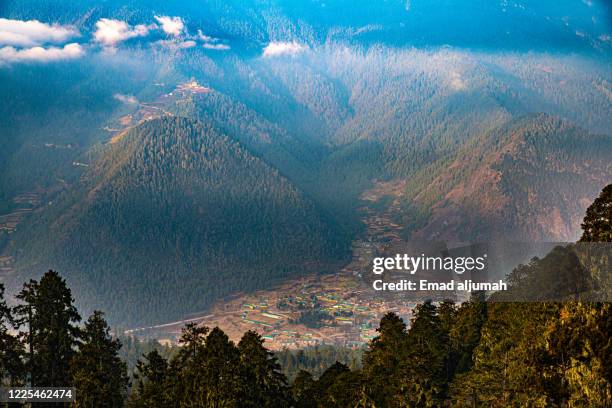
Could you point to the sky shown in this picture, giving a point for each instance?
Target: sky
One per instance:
(30, 34)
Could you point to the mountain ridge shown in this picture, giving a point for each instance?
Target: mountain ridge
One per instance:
(173, 194)
(519, 170)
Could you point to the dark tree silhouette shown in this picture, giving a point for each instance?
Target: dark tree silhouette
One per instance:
(151, 375)
(597, 224)
(48, 313)
(98, 373)
(11, 350)
(264, 385)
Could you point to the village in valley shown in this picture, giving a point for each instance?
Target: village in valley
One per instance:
(338, 309)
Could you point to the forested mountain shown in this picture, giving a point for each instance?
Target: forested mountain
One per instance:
(527, 180)
(164, 155)
(483, 352)
(174, 214)
(500, 132)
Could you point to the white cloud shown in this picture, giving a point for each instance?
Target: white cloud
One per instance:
(205, 37)
(211, 43)
(187, 44)
(39, 54)
(127, 99)
(218, 47)
(457, 83)
(275, 49)
(173, 44)
(110, 32)
(173, 26)
(33, 32)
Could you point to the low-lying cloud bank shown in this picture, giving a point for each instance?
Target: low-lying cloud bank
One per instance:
(32, 40)
(40, 54)
(32, 33)
(127, 99)
(24, 41)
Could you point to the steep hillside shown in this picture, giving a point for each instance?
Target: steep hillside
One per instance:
(301, 115)
(529, 180)
(175, 210)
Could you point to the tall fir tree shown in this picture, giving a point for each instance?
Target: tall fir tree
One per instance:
(185, 383)
(423, 378)
(447, 312)
(382, 361)
(579, 347)
(303, 390)
(151, 377)
(99, 375)
(327, 379)
(597, 224)
(11, 349)
(263, 383)
(219, 369)
(464, 334)
(346, 390)
(206, 371)
(48, 313)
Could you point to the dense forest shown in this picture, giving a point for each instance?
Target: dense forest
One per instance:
(185, 202)
(484, 352)
(161, 169)
(170, 198)
(480, 193)
(296, 141)
(317, 359)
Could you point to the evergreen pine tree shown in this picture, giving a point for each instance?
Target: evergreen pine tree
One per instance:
(302, 390)
(206, 371)
(11, 350)
(423, 377)
(99, 375)
(49, 314)
(465, 333)
(579, 347)
(184, 381)
(220, 371)
(344, 391)
(151, 376)
(381, 363)
(447, 312)
(327, 379)
(263, 384)
(597, 224)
